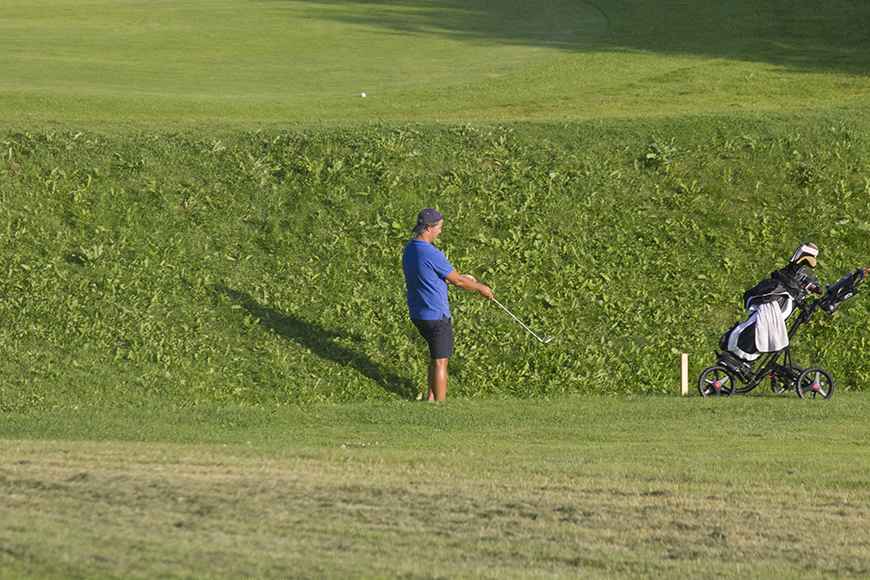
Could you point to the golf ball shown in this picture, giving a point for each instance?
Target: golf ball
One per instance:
(362, 95)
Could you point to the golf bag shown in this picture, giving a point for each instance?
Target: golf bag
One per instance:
(844, 289)
(769, 304)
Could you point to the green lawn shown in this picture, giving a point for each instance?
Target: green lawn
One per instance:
(268, 50)
(206, 367)
(592, 487)
(202, 61)
(227, 62)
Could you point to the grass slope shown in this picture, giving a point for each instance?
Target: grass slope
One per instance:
(263, 268)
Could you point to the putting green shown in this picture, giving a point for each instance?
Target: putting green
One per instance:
(279, 49)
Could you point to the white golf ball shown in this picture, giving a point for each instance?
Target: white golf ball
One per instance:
(362, 95)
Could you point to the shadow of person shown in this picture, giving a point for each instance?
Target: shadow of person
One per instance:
(322, 342)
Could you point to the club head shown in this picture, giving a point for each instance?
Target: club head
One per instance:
(546, 340)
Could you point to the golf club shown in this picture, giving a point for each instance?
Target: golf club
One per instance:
(543, 340)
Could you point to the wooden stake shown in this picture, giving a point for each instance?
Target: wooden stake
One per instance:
(684, 372)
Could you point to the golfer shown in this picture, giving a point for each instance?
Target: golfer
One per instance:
(427, 274)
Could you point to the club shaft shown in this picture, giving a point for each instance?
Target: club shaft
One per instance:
(517, 319)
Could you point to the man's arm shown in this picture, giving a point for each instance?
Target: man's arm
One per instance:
(467, 282)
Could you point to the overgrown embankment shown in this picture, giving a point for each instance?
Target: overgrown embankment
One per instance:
(264, 268)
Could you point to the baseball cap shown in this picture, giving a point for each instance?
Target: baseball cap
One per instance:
(426, 217)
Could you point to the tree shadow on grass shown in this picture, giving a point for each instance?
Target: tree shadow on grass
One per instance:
(564, 25)
(322, 342)
(800, 35)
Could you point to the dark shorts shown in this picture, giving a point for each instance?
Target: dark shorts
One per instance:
(438, 334)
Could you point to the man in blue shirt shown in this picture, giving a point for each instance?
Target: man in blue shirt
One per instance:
(427, 274)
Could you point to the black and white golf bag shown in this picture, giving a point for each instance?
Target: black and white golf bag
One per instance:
(769, 304)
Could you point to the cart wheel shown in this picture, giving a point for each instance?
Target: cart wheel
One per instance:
(815, 382)
(716, 381)
(789, 383)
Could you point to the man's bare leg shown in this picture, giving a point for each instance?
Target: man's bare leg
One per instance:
(438, 379)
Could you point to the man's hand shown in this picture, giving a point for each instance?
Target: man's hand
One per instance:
(468, 282)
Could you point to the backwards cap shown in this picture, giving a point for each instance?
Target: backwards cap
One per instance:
(427, 217)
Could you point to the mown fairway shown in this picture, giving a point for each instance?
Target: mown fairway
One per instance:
(644, 487)
(127, 65)
(206, 367)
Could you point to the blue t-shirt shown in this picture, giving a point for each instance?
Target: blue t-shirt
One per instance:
(426, 269)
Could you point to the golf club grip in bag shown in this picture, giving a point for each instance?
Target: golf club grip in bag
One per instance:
(844, 289)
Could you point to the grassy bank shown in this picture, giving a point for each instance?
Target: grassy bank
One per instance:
(263, 268)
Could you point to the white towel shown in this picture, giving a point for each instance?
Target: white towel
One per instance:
(770, 331)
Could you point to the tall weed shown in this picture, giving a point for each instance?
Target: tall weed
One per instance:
(264, 267)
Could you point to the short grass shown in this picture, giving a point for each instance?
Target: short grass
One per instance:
(592, 487)
(121, 65)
